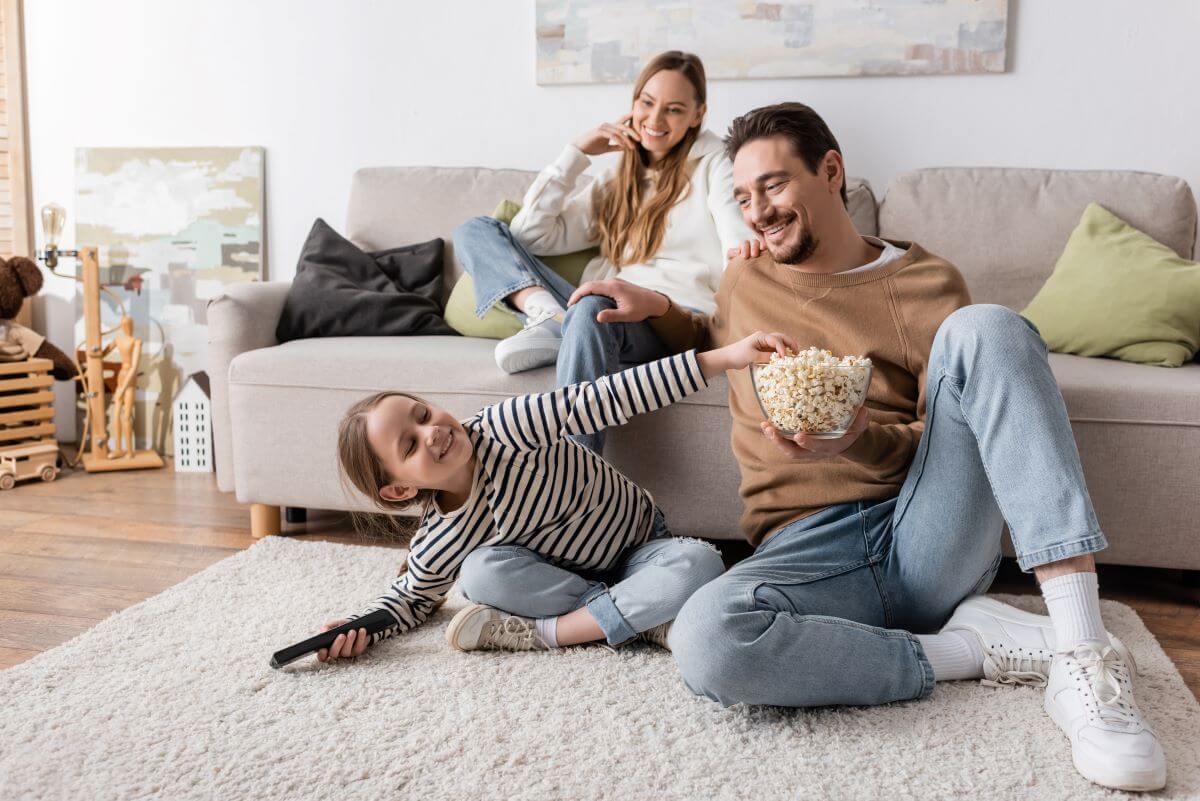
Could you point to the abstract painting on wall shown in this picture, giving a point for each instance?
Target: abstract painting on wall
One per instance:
(174, 226)
(608, 41)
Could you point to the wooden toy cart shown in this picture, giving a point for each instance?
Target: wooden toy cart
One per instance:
(28, 449)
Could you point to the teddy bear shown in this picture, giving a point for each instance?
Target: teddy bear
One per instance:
(21, 278)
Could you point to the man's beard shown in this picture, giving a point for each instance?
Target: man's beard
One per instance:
(802, 251)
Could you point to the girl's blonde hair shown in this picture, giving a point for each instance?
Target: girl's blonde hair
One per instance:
(632, 227)
(366, 473)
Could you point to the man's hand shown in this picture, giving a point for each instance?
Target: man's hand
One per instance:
(802, 448)
(634, 303)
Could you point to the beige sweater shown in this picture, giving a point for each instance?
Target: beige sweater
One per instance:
(889, 314)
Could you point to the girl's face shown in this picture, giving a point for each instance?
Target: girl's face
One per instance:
(420, 446)
(664, 111)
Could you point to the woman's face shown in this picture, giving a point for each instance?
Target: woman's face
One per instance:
(664, 112)
(421, 446)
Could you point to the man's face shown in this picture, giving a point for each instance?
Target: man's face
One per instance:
(782, 200)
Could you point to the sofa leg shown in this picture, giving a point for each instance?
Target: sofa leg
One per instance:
(295, 514)
(264, 520)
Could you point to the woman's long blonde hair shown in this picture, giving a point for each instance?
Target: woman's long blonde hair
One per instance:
(366, 473)
(632, 226)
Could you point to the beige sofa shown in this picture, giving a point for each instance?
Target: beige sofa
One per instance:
(276, 407)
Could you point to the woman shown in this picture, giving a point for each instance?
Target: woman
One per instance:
(663, 218)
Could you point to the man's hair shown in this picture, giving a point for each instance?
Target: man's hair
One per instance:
(808, 134)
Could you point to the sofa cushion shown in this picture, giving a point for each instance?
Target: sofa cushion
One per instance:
(1005, 228)
(461, 370)
(341, 291)
(1116, 292)
(285, 403)
(448, 366)
(500, 322)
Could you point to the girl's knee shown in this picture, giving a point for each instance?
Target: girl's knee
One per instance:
(695, 562)
(482, 577)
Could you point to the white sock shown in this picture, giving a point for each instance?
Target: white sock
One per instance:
(540, 302)
(954, 655)
(547, 630)
(1073, 602)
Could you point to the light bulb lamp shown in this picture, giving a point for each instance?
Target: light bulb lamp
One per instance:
(98, 457)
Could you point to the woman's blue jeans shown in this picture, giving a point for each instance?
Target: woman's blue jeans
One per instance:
(500, 266)
(822, 612)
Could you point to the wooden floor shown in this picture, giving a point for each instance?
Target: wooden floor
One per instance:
(78, 549)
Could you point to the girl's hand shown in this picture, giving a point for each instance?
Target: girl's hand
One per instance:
(352, 643)
(749, 249)
(753, 348)
(609, 137)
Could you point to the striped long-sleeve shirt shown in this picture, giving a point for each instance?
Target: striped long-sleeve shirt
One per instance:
(535, 488)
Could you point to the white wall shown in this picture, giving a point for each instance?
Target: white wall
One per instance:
(327, 87)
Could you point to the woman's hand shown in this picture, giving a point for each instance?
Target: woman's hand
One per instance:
(353, 643)
(609, 137)
(749, 249)
(742, 353)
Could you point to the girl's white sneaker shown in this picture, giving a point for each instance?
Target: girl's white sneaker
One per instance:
(658, 635)
(480, 627)
(1090, 696)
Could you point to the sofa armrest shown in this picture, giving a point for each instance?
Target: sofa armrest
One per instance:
(242, 318)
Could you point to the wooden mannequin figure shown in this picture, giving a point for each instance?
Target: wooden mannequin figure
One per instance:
(130, 349)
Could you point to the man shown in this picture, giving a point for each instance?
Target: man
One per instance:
(895, 527)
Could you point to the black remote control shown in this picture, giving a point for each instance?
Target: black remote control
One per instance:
(375, 622)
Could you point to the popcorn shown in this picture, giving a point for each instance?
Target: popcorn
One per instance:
(812, 391)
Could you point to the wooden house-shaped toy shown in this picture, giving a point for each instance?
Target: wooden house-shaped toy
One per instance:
(191, 414)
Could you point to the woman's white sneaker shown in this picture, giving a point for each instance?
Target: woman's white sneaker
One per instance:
(535, 345)
(1090, 696)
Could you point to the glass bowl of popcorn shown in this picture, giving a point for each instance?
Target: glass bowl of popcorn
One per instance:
(811, 392)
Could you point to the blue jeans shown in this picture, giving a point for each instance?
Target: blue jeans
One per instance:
(646, 587)
(821, 612)
(500, 266)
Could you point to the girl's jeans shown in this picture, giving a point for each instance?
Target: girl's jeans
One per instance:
(646, 587)
(500, 266)
(821, 612)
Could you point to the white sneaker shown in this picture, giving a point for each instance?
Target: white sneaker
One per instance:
(536, 345)
(1090, 697)
(1018, 646)
(657, 635)
(484, 628)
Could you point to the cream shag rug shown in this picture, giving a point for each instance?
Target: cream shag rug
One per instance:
(173, 699)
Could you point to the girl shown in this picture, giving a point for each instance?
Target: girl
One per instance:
(663, 218)
(552, 545)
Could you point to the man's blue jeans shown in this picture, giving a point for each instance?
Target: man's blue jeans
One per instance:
(646, 587)
(822, 612)
(500, 266)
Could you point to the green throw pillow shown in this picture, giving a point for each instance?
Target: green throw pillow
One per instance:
(501, 322)
(1117, 292)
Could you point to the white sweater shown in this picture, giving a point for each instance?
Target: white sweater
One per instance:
(558, 216)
